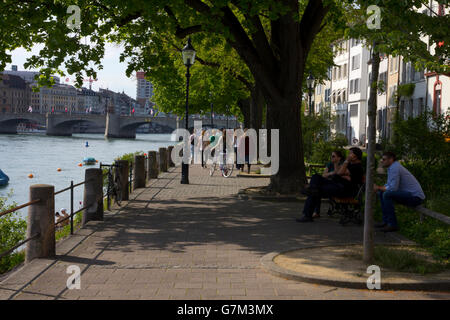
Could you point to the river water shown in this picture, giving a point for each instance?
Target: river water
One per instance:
(41, 155)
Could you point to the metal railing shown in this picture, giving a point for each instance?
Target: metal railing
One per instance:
(3, 213)
(108, 187)
(72, 213)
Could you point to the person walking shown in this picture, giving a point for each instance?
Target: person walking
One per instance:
(401, 187)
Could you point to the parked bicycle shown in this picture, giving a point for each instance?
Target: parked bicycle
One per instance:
(225, 168)
(114, 183)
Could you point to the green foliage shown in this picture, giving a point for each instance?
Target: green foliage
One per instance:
(12, 231)
(406, 90)
(130, 156)
(405, 260)
(431, 234)
(322, 149)
(422, 138)
(315, 128)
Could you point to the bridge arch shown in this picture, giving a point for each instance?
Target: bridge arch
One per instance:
(9, 124)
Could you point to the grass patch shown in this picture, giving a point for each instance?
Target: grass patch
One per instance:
(431, 234)
(404, 259)
(439, 204)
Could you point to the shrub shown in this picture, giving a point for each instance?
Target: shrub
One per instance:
(12, 231)
(422, 138)
(322, 150)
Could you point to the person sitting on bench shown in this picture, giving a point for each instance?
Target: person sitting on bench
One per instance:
(401, 187)
(329, 173)
(345, 183)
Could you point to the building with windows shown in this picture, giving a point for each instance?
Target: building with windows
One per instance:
(14, 94)
(144, 89)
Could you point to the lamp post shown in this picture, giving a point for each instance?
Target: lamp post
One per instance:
(212, 110)
(310, 84)
(228, 108)
(188, 55)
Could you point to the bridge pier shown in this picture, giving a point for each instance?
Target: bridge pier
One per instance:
(56, 130)
(8, 128)
(113, 129)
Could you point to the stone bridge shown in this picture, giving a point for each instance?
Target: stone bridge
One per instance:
(116, 126)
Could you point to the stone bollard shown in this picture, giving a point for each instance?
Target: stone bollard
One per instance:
(41, 221)
(169, 155)
(123, 172)
(139, 172)
(93, 195)
(152, 165)
(163, 159)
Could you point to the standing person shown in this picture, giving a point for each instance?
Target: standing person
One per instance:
(330, 172)
(345, 183)
(401, 187)
(192, 140)
(202, 145)
(247, 150)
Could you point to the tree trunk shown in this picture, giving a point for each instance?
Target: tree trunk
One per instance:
(256, 108)
(285, 116)
(370, 169)
(244, 105)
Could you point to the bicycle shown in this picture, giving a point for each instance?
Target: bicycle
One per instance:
(114, 184)
(225, 168)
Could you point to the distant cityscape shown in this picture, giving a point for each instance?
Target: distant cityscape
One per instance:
(17, 96)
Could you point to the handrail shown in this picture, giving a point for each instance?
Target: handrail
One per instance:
(19, 207)
(5, 253)
(70, 187)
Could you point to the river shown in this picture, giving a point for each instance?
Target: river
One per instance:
(41, 155)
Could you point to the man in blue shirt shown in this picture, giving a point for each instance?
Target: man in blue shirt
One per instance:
(401, 187)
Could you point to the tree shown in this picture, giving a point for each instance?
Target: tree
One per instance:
(401, 33)
(273, 39)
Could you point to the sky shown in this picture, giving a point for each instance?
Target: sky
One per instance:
(112, 76)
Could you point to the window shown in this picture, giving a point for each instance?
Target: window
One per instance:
(356, 62)
(345, 71)
(355, 86)
(353, 110)
(355, 42)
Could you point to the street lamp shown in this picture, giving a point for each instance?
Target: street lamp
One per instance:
(228, 110)
(188, 54)
(310, 84)
(212, 110)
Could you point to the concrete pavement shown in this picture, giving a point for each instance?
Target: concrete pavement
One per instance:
(196, 241)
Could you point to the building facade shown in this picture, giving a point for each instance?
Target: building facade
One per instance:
(14, 94)
(144, 90)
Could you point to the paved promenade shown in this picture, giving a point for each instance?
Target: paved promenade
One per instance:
(196, 241)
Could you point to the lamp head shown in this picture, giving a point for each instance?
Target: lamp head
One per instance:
(188, 54)
(310, 81)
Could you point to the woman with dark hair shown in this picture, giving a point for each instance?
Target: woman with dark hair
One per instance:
(331, 169)
(345, 184)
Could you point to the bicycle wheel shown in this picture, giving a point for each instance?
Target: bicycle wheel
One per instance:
(227, 170)
(212, 169)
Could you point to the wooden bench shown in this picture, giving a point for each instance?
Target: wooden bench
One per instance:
(424, 211)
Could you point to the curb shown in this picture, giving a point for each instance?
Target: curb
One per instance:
(274, 269)
(252, 175)
(242, 195)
